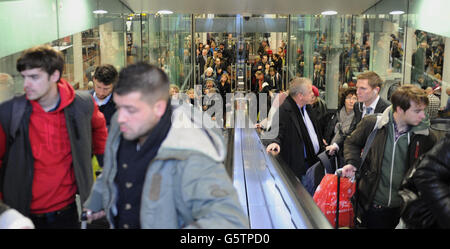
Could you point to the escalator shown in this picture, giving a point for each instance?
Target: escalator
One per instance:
(270, 194)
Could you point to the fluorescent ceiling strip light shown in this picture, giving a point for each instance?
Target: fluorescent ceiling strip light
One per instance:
(397, 12)
(100, 11)
(165, 12)
(329, 12)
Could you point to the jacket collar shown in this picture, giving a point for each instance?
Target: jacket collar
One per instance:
(186, 135)
(421, 129)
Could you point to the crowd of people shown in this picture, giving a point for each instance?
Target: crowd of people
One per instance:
(216, 73)
(353, 59)
(213, 62)
(160, 170)
(428, 60)
(402, 135)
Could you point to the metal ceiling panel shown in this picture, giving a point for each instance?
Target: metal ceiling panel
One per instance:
(251, 6)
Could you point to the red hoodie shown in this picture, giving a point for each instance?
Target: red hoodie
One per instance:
(54, 184)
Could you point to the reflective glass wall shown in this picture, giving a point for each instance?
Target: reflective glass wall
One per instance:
(331, 50)
(243, 44)
(86, 39)
(169, 46)
(401, 47)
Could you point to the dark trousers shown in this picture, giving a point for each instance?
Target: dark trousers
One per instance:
(66, 218)
(382, 218)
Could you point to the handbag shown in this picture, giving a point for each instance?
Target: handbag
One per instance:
(333, 198)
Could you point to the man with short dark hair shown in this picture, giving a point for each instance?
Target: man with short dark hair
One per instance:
(160, 170)
(368, 86)
(47, 138)
(403, 134)
(104, 78)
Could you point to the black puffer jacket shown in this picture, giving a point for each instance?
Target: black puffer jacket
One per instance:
(432, 179)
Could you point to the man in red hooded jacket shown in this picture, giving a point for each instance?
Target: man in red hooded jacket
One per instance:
(46, 162)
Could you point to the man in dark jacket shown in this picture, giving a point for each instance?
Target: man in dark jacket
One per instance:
(368, 86)
(299, 139)
(403, 135)
(273, 78)
(105, 77)
(203, 60)
(432, 179)
(45, 152)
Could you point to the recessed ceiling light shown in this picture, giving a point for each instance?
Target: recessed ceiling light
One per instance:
(165, 12)
(397, 12)
(329, 12)
(100, 11)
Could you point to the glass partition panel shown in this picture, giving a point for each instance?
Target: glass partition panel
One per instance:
(27, 23)
(416, 44)
(90, 52)
(145, 38)
(65, 45)
(429, 39)
(218, 36)
(169, 46)
(427, 47)
(11, 82)
(112, 43)
(303, 44)
(134, 38)
(86, 39)
(246, 44)
(264, 35)
(333, 50)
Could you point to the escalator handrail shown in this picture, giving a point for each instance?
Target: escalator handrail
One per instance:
(302, 200)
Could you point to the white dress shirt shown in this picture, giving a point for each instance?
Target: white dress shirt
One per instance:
(311, 131)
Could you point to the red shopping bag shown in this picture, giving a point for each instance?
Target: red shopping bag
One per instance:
(326, 198)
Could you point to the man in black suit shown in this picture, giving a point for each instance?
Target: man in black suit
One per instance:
(368, 87)
(202, 60)
(319, 78)
(299, 139)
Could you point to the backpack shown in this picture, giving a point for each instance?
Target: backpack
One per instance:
(17, 112)
(326, 165)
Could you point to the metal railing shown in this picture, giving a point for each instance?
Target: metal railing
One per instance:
(187, 80)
